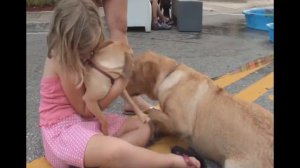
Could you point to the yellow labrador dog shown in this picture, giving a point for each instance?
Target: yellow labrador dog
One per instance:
(111, 61)
(232, 132)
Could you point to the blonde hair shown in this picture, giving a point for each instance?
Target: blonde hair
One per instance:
(75, 27)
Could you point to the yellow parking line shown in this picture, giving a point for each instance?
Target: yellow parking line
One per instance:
(39, 163)
(271, 97)
(257, 89)
(228, 79)
(165, 144)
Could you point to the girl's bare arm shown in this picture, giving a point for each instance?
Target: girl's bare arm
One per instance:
(74, 96)
(115, 91)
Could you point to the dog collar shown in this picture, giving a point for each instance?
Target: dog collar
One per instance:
(173, 69)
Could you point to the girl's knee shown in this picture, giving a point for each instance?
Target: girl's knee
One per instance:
(145, 131)
(140, 125)
(145, 127)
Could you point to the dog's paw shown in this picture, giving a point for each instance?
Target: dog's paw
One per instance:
(144, 118)
(151, 109)
(104, 127)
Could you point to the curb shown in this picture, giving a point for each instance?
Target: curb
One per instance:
(37, 27)
(38, 21)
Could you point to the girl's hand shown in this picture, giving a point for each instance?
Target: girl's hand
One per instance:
(87, 113)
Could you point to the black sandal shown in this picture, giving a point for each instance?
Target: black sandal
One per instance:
(186, 153)
(130, 112)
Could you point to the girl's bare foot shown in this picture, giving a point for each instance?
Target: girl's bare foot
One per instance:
(186, 153)
(191, 162)
(185, 161)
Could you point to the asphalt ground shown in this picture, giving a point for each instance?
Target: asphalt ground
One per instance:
(224, 45)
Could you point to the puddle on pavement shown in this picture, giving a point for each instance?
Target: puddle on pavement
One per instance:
(238, 28)
(235, 28)
(192, 35)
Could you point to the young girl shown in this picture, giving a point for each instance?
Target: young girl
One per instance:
(70, 133)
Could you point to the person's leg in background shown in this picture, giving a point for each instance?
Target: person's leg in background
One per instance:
(166, 5)
(116, 18)
(156, 13)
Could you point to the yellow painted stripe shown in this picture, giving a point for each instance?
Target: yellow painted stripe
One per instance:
(257, 89)
(271, 97)
(228, 79)
(165, 144)
(39, 163)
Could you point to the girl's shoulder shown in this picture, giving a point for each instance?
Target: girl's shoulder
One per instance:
(51, 69)
(54, 73)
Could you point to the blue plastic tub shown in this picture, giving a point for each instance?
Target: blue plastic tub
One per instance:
(271, 31)
(257, 18)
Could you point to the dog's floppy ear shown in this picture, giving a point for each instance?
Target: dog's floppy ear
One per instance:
(105, 44)
(150, 73)
(128, 65)
(125, 70)
(149, 68)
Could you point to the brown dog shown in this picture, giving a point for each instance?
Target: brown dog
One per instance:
(232, 132)
(111, 61)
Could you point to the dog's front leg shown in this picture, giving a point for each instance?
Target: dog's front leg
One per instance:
(143, 117)
(162, 123)
(95, 109)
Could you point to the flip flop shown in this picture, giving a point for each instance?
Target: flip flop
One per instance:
(186, 153)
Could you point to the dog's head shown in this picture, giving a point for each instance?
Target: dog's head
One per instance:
(149, 70)
(114, 57)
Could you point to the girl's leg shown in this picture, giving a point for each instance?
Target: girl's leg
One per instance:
(134, 131)
(106, 151)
